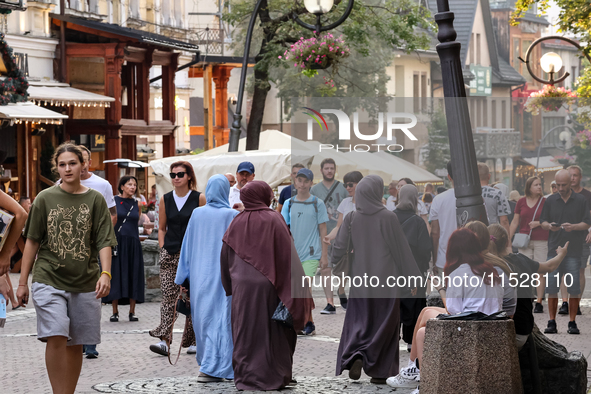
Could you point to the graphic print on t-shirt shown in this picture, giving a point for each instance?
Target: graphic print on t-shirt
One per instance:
(62, 239)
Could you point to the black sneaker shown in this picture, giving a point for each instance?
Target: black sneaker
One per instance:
(329, 310)
(572, 328)
(343, 299)
(115, 317)
(579, 313)
(310, 328)
(539, 308)
(551, 329)
(133, 317)
(91, 351)
(563, 309)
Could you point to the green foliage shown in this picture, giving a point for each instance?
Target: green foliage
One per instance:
(373, 30)
(583, 155)
(438, 146)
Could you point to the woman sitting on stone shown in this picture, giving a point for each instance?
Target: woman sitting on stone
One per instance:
(464, 261)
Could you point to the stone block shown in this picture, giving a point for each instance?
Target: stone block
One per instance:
(153, 282)
(474, 357)
(434, 299)
(150, 245)
(560, 371)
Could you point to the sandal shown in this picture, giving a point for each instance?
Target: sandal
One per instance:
(115, 317)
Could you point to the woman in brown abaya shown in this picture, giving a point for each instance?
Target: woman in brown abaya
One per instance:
(259, 268)
(372, 325)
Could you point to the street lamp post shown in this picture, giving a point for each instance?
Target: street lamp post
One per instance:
(561, 137)
(469, 201)
(316, 7)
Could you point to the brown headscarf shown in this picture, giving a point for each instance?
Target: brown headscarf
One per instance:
(259, 224)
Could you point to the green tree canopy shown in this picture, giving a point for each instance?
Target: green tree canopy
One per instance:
(373, 30)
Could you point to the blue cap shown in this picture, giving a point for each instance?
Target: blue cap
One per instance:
(246, 166)
(307, 173)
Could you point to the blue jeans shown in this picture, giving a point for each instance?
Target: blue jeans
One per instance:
(570, 267)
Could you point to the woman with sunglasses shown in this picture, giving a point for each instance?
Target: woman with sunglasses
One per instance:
(175, 211)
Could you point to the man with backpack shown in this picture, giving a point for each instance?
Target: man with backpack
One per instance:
(307, 217)
(332, 192)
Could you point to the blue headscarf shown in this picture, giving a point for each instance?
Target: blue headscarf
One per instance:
(217, 192)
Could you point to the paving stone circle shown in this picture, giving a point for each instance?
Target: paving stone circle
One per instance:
(189, 384)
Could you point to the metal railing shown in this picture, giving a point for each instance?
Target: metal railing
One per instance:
(157, 28)
(210, 41)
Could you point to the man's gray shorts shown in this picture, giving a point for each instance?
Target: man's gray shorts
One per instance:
(76, 316)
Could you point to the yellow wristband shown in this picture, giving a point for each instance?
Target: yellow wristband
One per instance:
(108, 273)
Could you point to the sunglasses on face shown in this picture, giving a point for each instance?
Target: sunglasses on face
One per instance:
(350, 184)
(180, 174)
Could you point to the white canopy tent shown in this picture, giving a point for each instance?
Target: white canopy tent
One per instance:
(272, 166)
(303, 150)
(400, 168)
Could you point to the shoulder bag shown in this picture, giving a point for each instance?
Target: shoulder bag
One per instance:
(520, 240)
(115, 249)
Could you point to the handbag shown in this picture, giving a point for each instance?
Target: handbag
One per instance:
(343, 266)
(282, 315)
(183, 306)
(520, 240)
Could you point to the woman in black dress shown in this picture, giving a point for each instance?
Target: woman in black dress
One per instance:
(175, 211)
(416, 233)
(127, 285)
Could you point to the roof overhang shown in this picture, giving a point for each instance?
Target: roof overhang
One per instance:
(63, 94)
(122, 33)
(30, 113)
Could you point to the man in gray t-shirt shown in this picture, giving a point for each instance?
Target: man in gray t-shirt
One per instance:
(332, 192)
(497, 205)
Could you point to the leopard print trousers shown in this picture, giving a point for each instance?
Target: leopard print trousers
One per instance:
(170, 292)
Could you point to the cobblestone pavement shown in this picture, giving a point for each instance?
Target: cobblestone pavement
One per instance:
(125, 363)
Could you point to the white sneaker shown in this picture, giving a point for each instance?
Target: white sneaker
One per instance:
(192, 350)
(160, 348)
(408, 377)
(415, 391)
(400, 381)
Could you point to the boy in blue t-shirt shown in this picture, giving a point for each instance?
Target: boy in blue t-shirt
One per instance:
(307, 217)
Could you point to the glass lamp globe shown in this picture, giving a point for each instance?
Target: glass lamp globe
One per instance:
(551, 62)
(564, 137)
(318, 6)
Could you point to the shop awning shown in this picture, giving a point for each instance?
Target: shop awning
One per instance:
(61, 94)
(546, 163)
(30, 113)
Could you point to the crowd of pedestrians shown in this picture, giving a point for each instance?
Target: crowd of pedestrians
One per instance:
(82, 245)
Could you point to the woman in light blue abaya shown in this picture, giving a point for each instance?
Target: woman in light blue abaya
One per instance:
(200, 263)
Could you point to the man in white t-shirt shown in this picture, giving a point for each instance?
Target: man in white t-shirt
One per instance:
(244, 174)
(97, 183)
(102, 186)
(443, 223)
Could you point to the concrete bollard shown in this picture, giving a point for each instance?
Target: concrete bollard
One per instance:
(476, 357)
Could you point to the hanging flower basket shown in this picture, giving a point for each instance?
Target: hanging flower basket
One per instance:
(549, 99)
(564, 160)
(316, 53)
